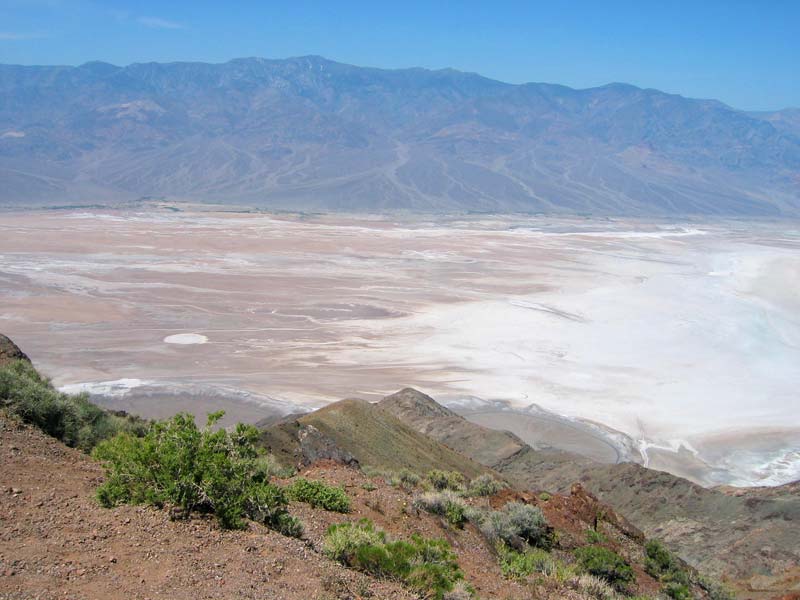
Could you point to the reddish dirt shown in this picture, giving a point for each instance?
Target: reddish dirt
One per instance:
(391, 509)
(56, 542)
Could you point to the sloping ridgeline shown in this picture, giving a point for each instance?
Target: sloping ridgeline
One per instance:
(311, 134)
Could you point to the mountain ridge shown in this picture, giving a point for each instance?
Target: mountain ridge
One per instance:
(307, 133)
(722, 531)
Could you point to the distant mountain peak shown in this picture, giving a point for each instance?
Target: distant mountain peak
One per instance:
(420, 404)
(311, 133)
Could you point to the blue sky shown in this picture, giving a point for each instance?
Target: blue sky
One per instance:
(744, 53)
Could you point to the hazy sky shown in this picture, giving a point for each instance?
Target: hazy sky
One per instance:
(744, 53)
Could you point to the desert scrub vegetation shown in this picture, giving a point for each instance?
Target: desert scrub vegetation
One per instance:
(714, 589)
(319, 495)
(595, 537)
(605, 564)
(484, 485)
(404, 478)
(428, 566)
(522, 564)
(661, 565)
(176, 463)
(590, 586)
(408, 479)
(446, 504)
(70, 418)
(445, 480)
(517, 525)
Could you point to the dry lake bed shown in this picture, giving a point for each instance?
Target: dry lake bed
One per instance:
(673, 344)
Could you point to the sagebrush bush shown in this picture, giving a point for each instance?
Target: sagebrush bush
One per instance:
(605, 564)
(408, 479)
(475, 515)
(517, 524)
(428, 566)
(70, 418)
(593, 587)
(446, 504)
(445, 480)
(519, 565)
(209, 471)
(343, 541)
(714, 589)
(269, 464)
(319, 495)
(484, 485)
(461, 591)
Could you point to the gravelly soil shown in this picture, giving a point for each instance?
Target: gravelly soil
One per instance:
(56, 542)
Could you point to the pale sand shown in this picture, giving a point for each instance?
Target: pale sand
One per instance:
(186, 339)
(670, 333)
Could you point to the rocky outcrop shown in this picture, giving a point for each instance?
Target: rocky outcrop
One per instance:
(316, 446)
(10, 351)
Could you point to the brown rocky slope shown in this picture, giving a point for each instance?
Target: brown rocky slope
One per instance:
(57, 542)
(749, 536)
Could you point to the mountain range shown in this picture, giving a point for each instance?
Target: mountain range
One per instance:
(312, 134)
(746, 535)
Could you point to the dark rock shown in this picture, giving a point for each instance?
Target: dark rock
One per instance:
(10, 351)
(315, 446)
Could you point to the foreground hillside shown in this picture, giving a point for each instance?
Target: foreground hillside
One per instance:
(748, 535)
(309, 133)
(164, 509)
(56, 541)
(358, 485)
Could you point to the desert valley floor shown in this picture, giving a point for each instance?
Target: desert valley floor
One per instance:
(673, 344)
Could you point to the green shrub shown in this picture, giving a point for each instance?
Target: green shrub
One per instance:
(475, 515)
(605, 564)
(658, 559)
(319, 495)
(445, 504)
(177, 463)
(428, 566)
(455, 514)
(484, 485)
(661, 565)
(287, 524)
(519, 565)
(595, 537)
(343, 541)
(445, 480)
(408, 479)
(517, 524)
(70, 418)
(677, 591)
